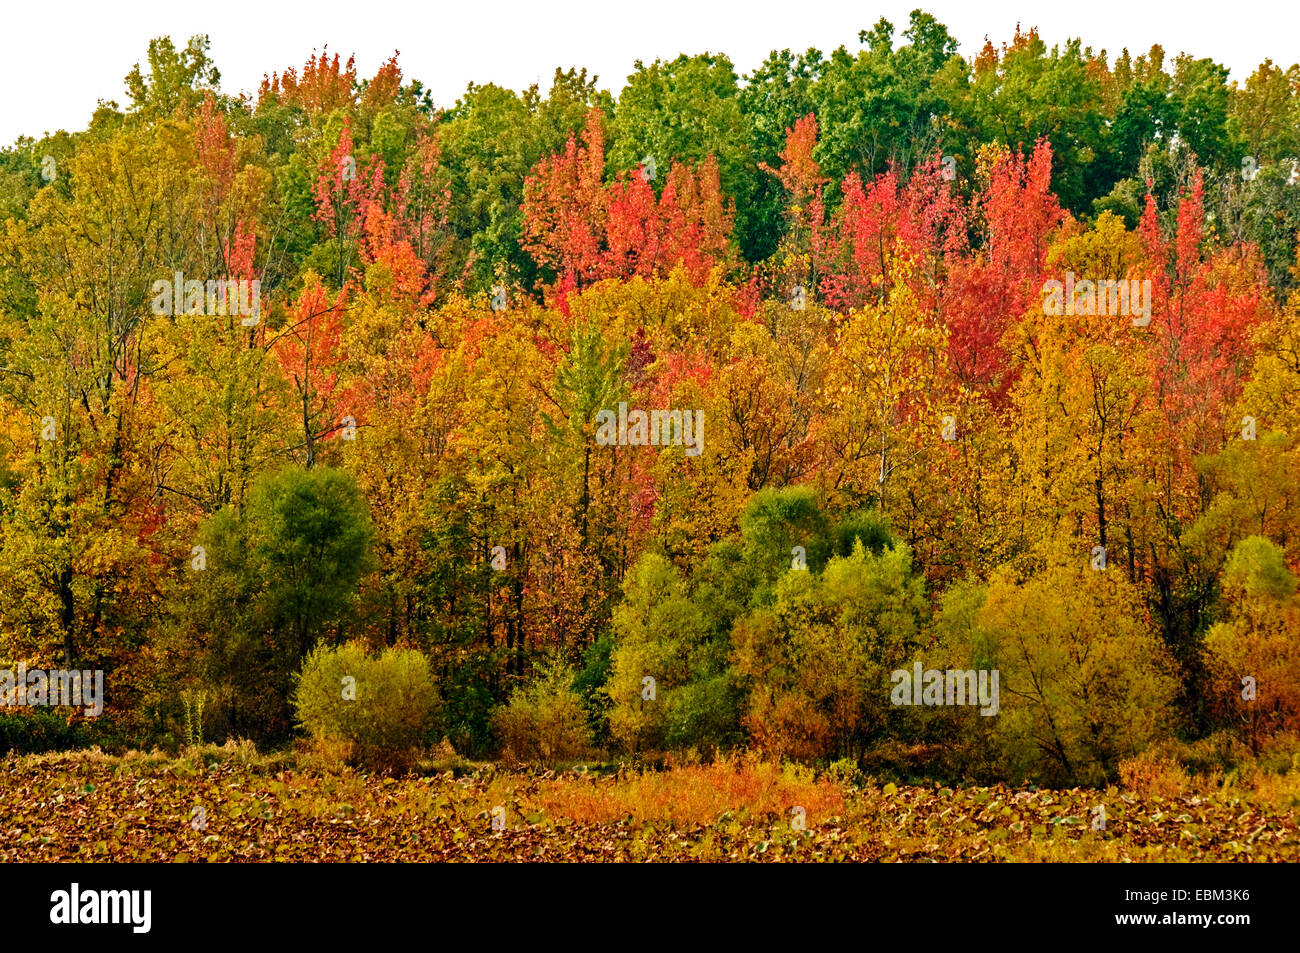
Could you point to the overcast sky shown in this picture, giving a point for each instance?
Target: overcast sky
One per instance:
(58, 57)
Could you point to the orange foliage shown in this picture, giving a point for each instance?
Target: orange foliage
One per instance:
(323, 86)
(690, 794)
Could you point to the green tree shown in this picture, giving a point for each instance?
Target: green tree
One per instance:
(276, 577)
(491, 140)
(176, 79)
(1252, 655)
(1083, 681)
(816, 663)
(887, 104)
(648, 123)
(656, 631)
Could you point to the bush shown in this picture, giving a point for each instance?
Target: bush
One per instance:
(1153, 772)
(1256, 640)
(546, 720)
(377, 711)
(38, 732)
(1085, 681)
(1280, 754)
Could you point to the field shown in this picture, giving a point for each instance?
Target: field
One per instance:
(231, 804)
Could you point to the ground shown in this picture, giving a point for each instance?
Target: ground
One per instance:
(225, 804)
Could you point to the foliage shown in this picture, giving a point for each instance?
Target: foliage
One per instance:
(275, 578)
(1252, 654)
(382, 707)
(836, 264)
(545, 720)
(1084, 680)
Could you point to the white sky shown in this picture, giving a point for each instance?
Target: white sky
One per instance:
(58, 57)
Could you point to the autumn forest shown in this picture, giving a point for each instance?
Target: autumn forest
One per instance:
(884, 412)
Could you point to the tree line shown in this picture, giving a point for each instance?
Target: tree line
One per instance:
(838, 264)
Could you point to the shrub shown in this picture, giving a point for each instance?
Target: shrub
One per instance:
(815, 660)
(1085, 681)
(844, 772)
(38, 732)
(546, 720)
(1221, 752)
(1153, 773)
(380, 708)
(193, 703)
(1256, 642)
(589, 683)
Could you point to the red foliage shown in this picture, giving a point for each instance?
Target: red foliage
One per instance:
(1204, 311)
(383, 89)
(564, 206)
(307, 350)
(990, 291)
(421, 203)
(584, 231)
(383, 245)
(345, 190)
(878, 224)
(239, 252)
(215, 147)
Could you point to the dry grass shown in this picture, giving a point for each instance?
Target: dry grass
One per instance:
(691, 794)
(1154, 774)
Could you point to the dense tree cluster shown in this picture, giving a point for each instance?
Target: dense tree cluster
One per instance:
(837, 265)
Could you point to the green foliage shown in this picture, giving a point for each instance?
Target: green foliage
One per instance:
(1257, 570)
(176, 79)
(680, 631)
(778, 520)
(648, 122)
(885, 104)
(38, 731)
(817, 662)
(868, 527)
(657, 630)
(381, 708)
(545, 720)
(1270, 217)
(278, 575)
(589, 683)
(492, 139)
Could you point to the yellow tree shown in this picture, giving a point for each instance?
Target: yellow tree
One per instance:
(1082, 402)
(75, 372)
(886, 390)
(1083, 679)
